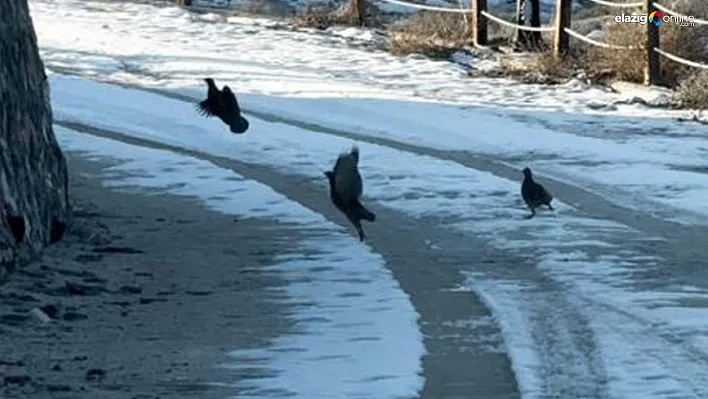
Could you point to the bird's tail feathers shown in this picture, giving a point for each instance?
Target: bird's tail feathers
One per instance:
(547, 198)
(364, 213)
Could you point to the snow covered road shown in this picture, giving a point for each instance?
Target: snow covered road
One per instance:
(587, 273)
(605, 298)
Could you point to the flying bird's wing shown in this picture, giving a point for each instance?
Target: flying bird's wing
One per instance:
(206, 108)
(228, 101)
(210, 106)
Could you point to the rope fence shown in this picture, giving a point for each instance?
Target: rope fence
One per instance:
(517, 26)
(562, 30)
(596, 43)
(617, 5)
(680, 60)
(429, 8)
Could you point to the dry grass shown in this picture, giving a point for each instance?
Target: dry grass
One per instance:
(602, 64)
(686, 42)
(692, 92)
(548, 64)
(542, 68)
(317, 15)
(324, 15)
(434, 34)
(439, 35)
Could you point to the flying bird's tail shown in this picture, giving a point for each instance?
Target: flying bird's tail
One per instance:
(364, 213)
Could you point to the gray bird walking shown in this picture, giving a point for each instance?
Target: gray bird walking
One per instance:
(534, 194)
(346, 187)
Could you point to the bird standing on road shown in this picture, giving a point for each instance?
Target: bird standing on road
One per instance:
(534, 194)
(345, 190)
(224, 105)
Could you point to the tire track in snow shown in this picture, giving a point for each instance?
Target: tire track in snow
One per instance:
(577, 344)
(681, 238)
(561, 335)
(457, 364)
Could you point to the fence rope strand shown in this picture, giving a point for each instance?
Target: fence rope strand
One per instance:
(429, 8)
(516, 26)
(617, 5)
(596, 43)
(680, 60)
(669, 11)
(569, 31)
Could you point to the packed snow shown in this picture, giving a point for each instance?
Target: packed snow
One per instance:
(323, 80)
(584, 312)
(334, 283)
(576, 252)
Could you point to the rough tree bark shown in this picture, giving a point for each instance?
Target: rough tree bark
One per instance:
(528, 40)
(34, 199)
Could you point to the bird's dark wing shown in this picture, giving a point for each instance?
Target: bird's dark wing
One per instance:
(228, 101)
(544, 195)
(206, 108)
(536, 194)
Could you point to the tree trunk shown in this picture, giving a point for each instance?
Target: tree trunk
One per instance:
(34, 199)
(536, 37)
(528, 40)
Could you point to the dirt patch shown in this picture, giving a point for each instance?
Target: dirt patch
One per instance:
(136, 303)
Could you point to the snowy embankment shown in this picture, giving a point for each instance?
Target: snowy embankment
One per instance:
(579, 253)
(319, 79)
(334, 283)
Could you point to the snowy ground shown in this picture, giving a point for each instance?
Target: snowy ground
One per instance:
(382, 354)
(302, 76)
(599, 314)
(579, 253)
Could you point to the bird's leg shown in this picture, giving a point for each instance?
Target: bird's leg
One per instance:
(360, 230)
(362, 236)
(533, 213)
(356, 222)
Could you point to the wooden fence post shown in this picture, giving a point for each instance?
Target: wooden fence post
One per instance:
(536, 37)
(359, 11)
(652, 70)
(521, 35)
(479, 22)
(561, 40)
(528, 40)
